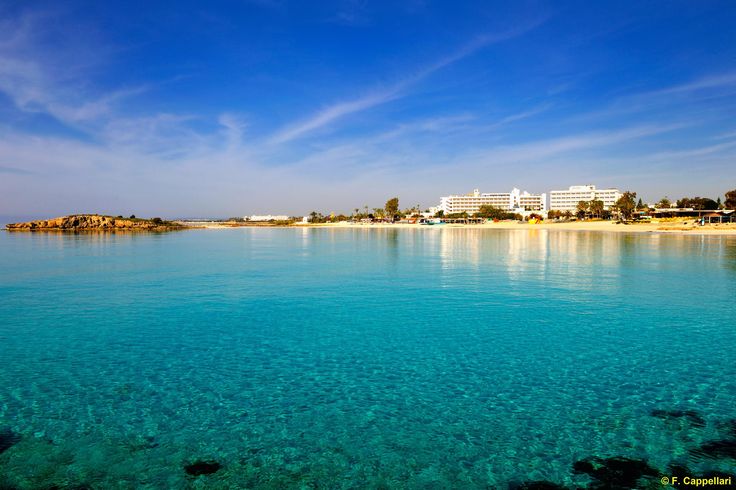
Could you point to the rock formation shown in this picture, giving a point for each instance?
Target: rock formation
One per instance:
(95, 222)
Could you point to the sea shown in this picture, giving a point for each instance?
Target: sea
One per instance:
(425, 358)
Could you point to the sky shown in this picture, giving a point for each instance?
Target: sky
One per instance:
(218, 109)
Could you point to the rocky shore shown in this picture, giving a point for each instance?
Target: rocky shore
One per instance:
(95, 222)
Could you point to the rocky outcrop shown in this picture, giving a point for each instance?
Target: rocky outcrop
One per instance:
(95, 222)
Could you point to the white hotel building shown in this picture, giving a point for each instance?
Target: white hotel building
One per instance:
(514, 201)
(266, 217)
(568, 200)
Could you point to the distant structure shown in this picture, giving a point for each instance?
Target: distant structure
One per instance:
(266, 217)
(515, 201)
(568, 200)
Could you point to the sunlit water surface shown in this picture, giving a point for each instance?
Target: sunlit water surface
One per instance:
(312, 358)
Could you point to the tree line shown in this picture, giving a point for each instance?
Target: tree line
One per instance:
(389, 212)
(624, 208)
(700, 203)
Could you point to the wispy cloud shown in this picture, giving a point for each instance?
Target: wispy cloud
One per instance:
(341, 109)
(336, 111)
(693, 152)
(519, 116)
(351, 12)
(15, 171)
(704, 83)
(725, 136)
(433, 125)
(41, 80)
(167, 135)
(677, 98)
(539, 151)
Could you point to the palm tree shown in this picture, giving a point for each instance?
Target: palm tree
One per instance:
(582, 209)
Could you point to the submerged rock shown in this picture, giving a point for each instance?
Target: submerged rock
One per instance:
(719, 474)
(536, 485)
(67, 487)
(679, 471)
(722, 449)
(202, 468)
(729, 427)
(615, 472)
(8, 439)
(692, 417)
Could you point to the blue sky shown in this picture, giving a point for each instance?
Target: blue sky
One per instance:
(231, 108)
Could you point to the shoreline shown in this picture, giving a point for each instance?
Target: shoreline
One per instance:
(680, 228)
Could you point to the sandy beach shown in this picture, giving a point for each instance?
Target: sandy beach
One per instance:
(678, 227)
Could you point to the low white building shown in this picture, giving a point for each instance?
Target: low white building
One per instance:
(568, 200)
(266, 217)
(514, 201)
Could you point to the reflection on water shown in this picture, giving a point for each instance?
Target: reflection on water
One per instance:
(729, 254)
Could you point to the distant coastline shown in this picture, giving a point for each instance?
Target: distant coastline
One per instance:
(679, 226)
(101, 223)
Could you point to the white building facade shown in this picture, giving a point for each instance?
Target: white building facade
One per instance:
(568, 200)
(514, 201)
(266, 217)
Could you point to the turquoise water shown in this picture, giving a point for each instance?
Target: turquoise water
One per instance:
(384, 358)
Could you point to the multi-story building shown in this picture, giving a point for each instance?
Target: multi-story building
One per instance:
(533, 202)
(514, 201)
(568, 200)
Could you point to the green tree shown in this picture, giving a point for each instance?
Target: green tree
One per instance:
(663, 203)
(596, 208)
(697, 203)
(582, 209)
(730, 202)
(491, 212)
(640, 204)
(392, 208)
(626, 205)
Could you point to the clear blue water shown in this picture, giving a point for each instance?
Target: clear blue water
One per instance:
(313, 358)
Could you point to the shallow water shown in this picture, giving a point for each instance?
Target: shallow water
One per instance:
(304, 358)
